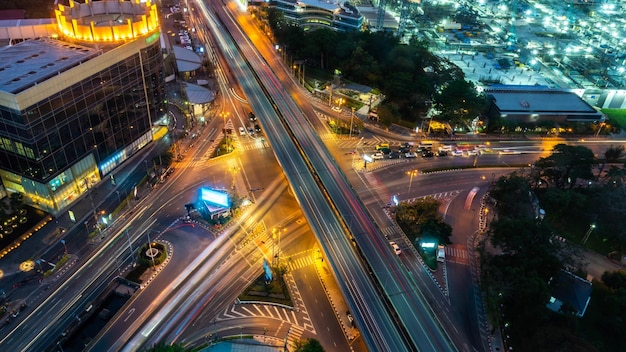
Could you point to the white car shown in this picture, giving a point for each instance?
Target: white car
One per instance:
(395, 247)
(472, 152)
(378, 156)
(441, 253)
(336, 109)
(242, 131)
(457, 153)
(410, 155)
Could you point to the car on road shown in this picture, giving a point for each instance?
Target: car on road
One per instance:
(251, 116)
(472, 152)
(382, 146)
(395, 247)
(378, 156)
(410, 155)
(442, 153)
(457, 153)
(250, 131)
(242, 131)
(257, 128)
(441, 254)
(336, 109)
(427, 154)
(507, 152)
(394, 155)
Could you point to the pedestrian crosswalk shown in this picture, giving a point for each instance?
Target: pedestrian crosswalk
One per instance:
(295, 334)
(457, 253)
(299, 263)
(257, 143)
(259, 310)
(300, 321)
(389, 231)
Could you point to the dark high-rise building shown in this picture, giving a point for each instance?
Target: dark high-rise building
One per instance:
(74, 106)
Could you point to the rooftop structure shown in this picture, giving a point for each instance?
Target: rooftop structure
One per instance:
(107, 21)
(76, 103)
(572, 290)
(34, 61)
(310, 14)
(534, 104)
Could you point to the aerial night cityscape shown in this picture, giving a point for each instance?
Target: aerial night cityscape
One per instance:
(282, 175)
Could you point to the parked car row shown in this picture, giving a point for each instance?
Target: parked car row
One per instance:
(185, 40)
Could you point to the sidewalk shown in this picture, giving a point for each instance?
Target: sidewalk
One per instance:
(336, 299)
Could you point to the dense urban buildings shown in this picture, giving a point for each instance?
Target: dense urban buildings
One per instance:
(77, 104)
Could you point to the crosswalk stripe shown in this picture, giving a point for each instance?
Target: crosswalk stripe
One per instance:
(247, 310)
(267, 309)
(295, 319)
(277, 313)
(301, 262)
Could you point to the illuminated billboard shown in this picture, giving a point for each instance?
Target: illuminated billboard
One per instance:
(217, 198)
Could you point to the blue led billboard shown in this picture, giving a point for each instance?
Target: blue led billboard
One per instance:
(215, 197)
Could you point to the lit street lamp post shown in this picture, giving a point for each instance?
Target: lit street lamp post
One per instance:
(351, 118)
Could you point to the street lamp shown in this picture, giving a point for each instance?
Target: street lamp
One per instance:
(340, 102)
(351, 118)
(412, 173)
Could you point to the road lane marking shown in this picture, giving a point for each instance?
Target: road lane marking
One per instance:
(130, 312)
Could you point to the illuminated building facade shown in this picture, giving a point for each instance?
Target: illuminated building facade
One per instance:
(341, 16)
(74, 107)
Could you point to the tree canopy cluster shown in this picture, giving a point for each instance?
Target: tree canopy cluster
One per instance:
(411, 77)
(520, 256)
(576, 189)
(422, 220)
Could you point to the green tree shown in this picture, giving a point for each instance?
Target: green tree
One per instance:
(362, 67)
(459, 102)
(421, 219)
(604, 322)
(513, 196)
(515, 282)
(309, 345)
(614, 154)
(560, 204)
(566, 165)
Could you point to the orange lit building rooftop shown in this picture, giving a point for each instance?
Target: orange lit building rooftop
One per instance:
(33, 61)
(107, 21)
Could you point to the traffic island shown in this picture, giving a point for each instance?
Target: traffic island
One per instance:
(264, 291)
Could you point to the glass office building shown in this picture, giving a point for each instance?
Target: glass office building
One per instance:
(73, 108)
